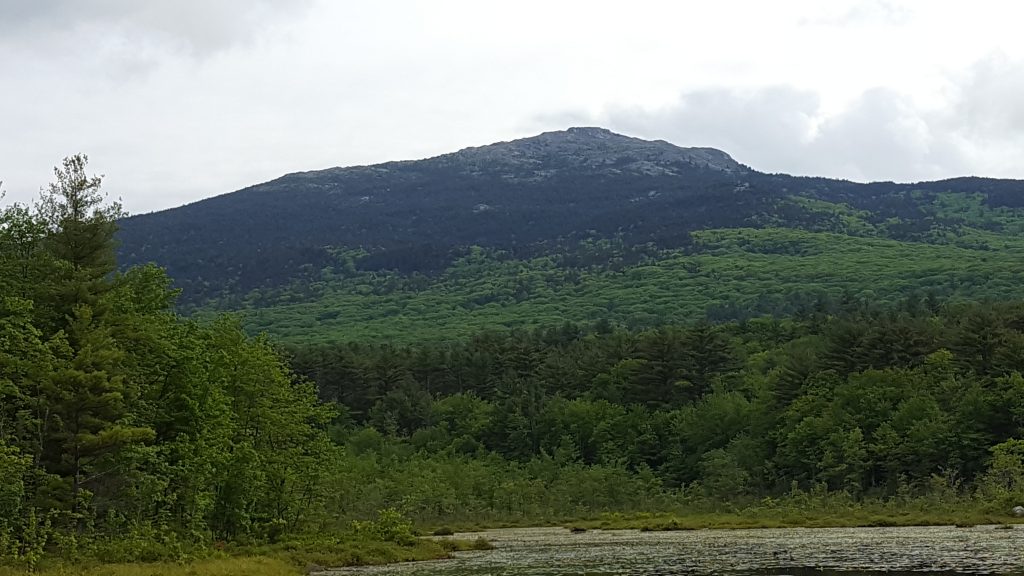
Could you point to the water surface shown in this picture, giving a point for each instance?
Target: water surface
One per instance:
(922, 551)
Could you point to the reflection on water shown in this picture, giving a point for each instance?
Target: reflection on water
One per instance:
(765, 552)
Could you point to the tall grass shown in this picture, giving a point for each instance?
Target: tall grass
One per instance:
(284, 558)
(257, 566)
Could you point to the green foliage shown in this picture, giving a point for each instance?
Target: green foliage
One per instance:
(130, 434)
(726, 274)
(866, 403)
(127, 433)
(1003, 482)
(390, 526)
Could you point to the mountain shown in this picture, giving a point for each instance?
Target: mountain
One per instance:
(591, 200)
(410, 215)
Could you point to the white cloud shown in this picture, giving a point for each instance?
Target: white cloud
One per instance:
(880, 135)
(766, 126)
(884, 136)
(989, 100)
(176, 100)
(867, 13)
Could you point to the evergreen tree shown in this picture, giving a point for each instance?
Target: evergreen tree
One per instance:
(80, 236)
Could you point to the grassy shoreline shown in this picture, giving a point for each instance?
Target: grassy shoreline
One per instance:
(663, 522)
(297, 558)
(287, 559)
(751, 518)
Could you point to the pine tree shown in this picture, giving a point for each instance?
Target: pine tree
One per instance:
(89, 413)
(80, 236)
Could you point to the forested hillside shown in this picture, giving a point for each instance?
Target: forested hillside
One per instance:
(415, 216)
(643, 319)
(584, 225)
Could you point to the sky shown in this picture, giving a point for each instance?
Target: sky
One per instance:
(178, 100)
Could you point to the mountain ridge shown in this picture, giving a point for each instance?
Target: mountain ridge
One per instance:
(527, 197)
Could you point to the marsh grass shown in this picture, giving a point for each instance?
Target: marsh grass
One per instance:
(259, 566)
(797, 509)
(282, 559)
(356, 552)
(772, 517)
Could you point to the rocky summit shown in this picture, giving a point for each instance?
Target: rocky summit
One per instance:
(594, 149)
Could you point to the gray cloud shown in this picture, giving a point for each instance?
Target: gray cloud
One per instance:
(881, 135)
(767, 126)
(990, 100)
(199, 27)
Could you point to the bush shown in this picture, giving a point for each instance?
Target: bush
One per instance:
(390, 526)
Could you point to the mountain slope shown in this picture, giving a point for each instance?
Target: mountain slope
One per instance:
(411, 214)
(587, 202)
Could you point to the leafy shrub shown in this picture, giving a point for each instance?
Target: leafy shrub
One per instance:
(390, 526)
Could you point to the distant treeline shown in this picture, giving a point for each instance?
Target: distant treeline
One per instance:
(866, 402)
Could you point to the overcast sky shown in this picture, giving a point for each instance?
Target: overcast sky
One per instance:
(177, 100)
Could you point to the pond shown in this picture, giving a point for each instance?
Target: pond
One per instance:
(922, 551)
